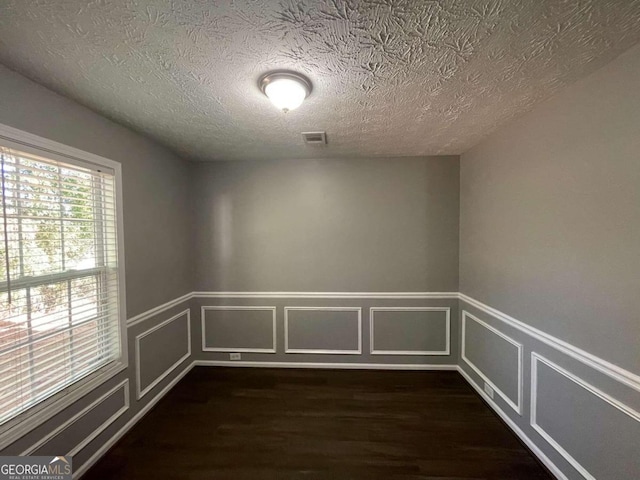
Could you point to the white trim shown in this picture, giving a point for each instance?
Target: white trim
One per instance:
(322, 351)
(156, 310)
(240, 308)
(614, 371)
(516, 406)
(63, 426)
(122, 288)
(535, 358)
(446, 351)
(45, 411)
(127, 426)
(141, 393)
(42, 146)
(330, 295)
(327, 366)
(513, 426)
(104, 425)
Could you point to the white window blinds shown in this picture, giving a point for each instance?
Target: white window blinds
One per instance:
(59, 317)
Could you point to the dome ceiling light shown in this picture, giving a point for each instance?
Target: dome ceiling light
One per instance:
(286, 90)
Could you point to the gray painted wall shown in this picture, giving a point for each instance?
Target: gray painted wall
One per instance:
(322, 330)
(549, 232)
(495, 356)
(326, 329)
(157, 218)
(403, 330)
(99, 417)
(549, 235)
(584, 432)
(158, 350)
(329, 225)
(550, 215)
(238, 329)
(600, 437)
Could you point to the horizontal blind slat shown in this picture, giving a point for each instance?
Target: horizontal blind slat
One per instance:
(40, 357)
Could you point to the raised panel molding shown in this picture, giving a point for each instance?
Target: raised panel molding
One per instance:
(271, 309)
(535, 360)
(123, 385)
(142, 392)
(619, 374)
(357, 351)
(517, 406)
(446, 351)
(605, 367)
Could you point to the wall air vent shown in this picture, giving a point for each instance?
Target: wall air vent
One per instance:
(314, 138)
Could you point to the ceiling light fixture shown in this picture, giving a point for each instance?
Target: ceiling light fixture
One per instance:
(286, 90)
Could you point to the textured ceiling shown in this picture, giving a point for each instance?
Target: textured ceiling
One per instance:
(391, 77)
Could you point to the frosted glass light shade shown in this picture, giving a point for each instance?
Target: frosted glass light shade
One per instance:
(286, 90)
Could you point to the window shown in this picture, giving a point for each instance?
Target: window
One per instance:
(59, 278)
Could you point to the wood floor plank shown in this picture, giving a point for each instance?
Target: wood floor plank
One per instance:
(263, 424)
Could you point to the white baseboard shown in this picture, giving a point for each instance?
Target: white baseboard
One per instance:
(328, 366)
(516, 429)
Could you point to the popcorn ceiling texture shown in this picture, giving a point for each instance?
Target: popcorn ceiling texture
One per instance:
(391, 77)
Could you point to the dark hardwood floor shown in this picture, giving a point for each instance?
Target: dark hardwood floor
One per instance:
(239, 423)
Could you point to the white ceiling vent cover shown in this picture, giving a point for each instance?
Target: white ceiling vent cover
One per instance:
(314, 138)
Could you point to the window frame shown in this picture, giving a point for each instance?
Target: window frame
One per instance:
(24, 422)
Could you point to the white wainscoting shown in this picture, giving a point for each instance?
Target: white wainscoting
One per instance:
(624, 377)
(620, 374)
(238, 308)
(447, 349)
(517, 406)
(142, 392)
(123, 385)
(616, 372)
(356, 351)
(537, 359)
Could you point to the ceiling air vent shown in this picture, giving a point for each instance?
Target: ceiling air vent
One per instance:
(314, 138)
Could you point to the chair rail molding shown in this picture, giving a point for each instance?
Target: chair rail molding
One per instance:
(537, 359)
(616, 372)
